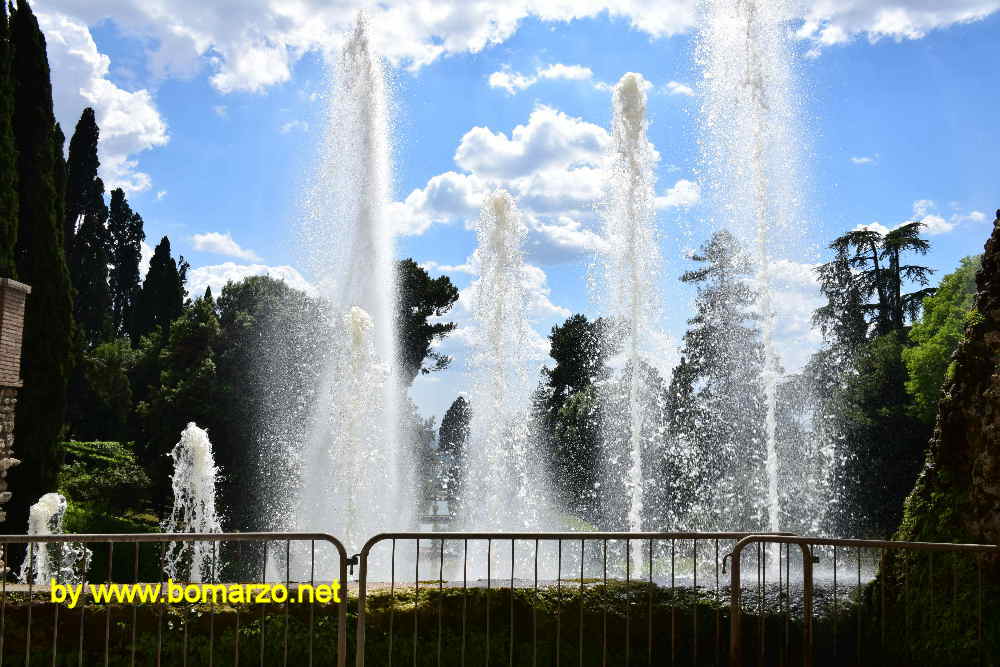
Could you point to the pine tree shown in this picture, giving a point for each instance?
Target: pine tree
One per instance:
(48, 327)
(8, 153)
(161, 300)
(420, 298)
(125, 227)
(723, 359)
(83, 188)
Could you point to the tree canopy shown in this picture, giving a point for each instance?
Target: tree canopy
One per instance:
(421, 298)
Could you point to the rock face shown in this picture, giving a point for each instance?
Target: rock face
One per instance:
(957, 497)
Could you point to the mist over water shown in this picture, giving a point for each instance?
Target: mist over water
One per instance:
(752, 148)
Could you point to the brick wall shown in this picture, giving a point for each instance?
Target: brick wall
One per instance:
(12, 299)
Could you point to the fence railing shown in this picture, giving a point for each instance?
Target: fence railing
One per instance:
(233, 558)
(644, 567)
(925, 611)
(544, 598)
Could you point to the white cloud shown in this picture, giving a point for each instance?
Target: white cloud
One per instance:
(924, 210)
(160, 195)
(129, 120)
(553, 165)
(514, 82)
(676, 88)
(832, 22)
(217, 275)
(222, 244)
(145, 257)
(683, 193)
(253, 44)
(294, 125)
(549, 140)
(864, 159)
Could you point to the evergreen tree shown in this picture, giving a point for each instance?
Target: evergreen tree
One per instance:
(716, 402)
(8, 153)
(83, 188)
(878, 271)
(88, 264)
(48, 327)
(85, 234)
(125, 228)
(859, 378)
(422, 297)
(452, 438)
(566, 411)
(161, 299)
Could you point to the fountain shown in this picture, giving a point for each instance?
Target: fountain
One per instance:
(193, 511)
(630, 272)
(751, 147)
(65, 562)
(355, 473)
(502, 490)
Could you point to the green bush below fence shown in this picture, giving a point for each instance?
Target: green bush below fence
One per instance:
(687, 628)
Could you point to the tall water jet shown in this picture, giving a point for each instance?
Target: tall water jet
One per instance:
(751, 149)
(501, 490)
(354, 427)
(194, 511)
(630, 272)
(66, 562)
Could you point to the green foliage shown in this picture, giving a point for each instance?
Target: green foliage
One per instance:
(103, 476)
(8, 153)
(185, 391)
(102, 394)
(268, 340)
(161, 300)
(565, 407)
(882, 444)
(422, 297)
(877, 270)
(48, 327)
(936, 336)
(125, 228)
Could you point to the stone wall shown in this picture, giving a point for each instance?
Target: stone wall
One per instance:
(13, 296)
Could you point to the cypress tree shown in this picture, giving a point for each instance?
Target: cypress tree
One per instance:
(88, 263)
(83, 188)
(85, 235)
(48, 325)
(8, 153)
(161, 300)
(127, 235)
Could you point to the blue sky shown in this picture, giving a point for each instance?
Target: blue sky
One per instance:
(211, 114)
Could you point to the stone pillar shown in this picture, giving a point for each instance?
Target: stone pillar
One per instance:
(12, 300)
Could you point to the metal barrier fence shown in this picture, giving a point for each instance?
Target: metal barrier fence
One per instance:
(581, 598)
(247, 557)
(906, 599)
(648, 565)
